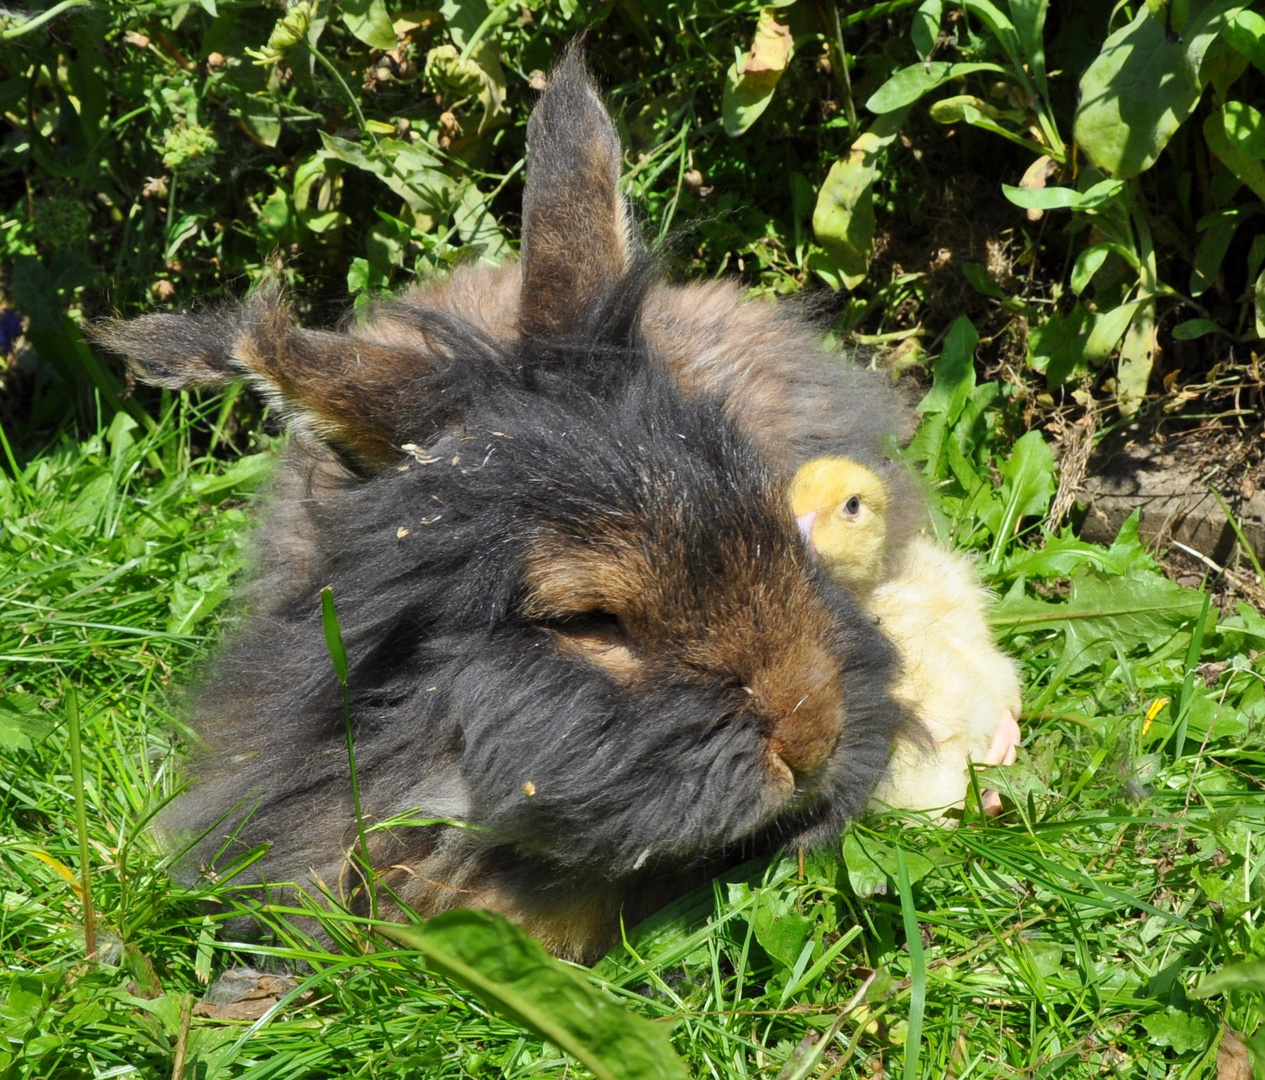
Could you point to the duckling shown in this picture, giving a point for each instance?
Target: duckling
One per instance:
(931, 605)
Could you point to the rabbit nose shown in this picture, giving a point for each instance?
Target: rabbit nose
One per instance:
(803, 731)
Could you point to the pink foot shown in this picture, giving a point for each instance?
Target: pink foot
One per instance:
(1001, 751)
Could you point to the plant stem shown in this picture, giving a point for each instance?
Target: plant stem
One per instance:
(81, 821)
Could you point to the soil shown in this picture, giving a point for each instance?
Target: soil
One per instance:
(1183, 470)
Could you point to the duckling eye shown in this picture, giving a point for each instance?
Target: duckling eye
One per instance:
(852, 507)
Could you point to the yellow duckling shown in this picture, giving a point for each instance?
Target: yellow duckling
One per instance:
(930, 604)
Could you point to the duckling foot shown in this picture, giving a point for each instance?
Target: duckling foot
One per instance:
(1001, 751)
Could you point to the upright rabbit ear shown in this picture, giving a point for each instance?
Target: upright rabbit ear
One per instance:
(577, 238)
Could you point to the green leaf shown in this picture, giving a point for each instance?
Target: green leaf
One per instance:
(1236, 134)
(1063, 198)
(751, 80)
(1104, 614)
(981, 280)
(409, 172)
(1196, 328)
(466, 20)
(369, 21)
(954, 374)
(925, 31)
(477, 227)
(245, 474)
(1179, 1030)
(1246, 976)
(1218, 230)
(1057, 346)
(781, 930)
(1137, 358)
(909, 84)
(1027, 487)
(1246, 33)
(1108, 329)
(1028, 17)
(22, 721)
(1087, 265)
(872, 863)
(843, 219)
(334, 635)
(1142, 87)
(511, 973)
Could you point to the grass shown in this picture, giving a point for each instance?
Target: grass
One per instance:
(1066, 938)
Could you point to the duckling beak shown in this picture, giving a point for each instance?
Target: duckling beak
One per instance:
(805, 523)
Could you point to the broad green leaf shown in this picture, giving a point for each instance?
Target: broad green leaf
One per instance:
(22, 721)
(477, 227)
(751, 80)
(1087, 265)
(406, 168)
(1137, 358)
(245, 474)
(1027, 487)
(1246, 32)
(1057, 346)
(1108, 329)
(872, 863)
(781, 930)
(469, 20)
(1063, 198)
(1245, 976)
(1028, 17)
(954, 374)
(979, 277)
(909, 84)
(1236, 134)
(1142, 87)
(843, 219)
(1180, 1030)
(1218, 230)
(1196, 328)
(926, 26)
(1063, 555)
(369, 21)
(511, 973)
(1104, 614)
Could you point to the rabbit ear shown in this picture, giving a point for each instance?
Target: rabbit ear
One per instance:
(577, 239)
(343, 387)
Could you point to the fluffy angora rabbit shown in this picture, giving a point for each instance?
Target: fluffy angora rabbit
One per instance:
(551, 503)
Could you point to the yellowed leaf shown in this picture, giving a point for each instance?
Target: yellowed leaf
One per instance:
(1035, 176)
(771, 49)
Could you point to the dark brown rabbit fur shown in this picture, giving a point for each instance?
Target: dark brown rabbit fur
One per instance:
(578, 613)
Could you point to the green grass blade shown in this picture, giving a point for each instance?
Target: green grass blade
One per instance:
(81, 820)
(511, 973)
(917, 966)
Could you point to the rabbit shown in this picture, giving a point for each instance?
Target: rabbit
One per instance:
(586, 639)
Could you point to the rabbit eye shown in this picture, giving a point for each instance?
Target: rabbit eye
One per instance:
(596, 623)
(598, 637)
(852, 507)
